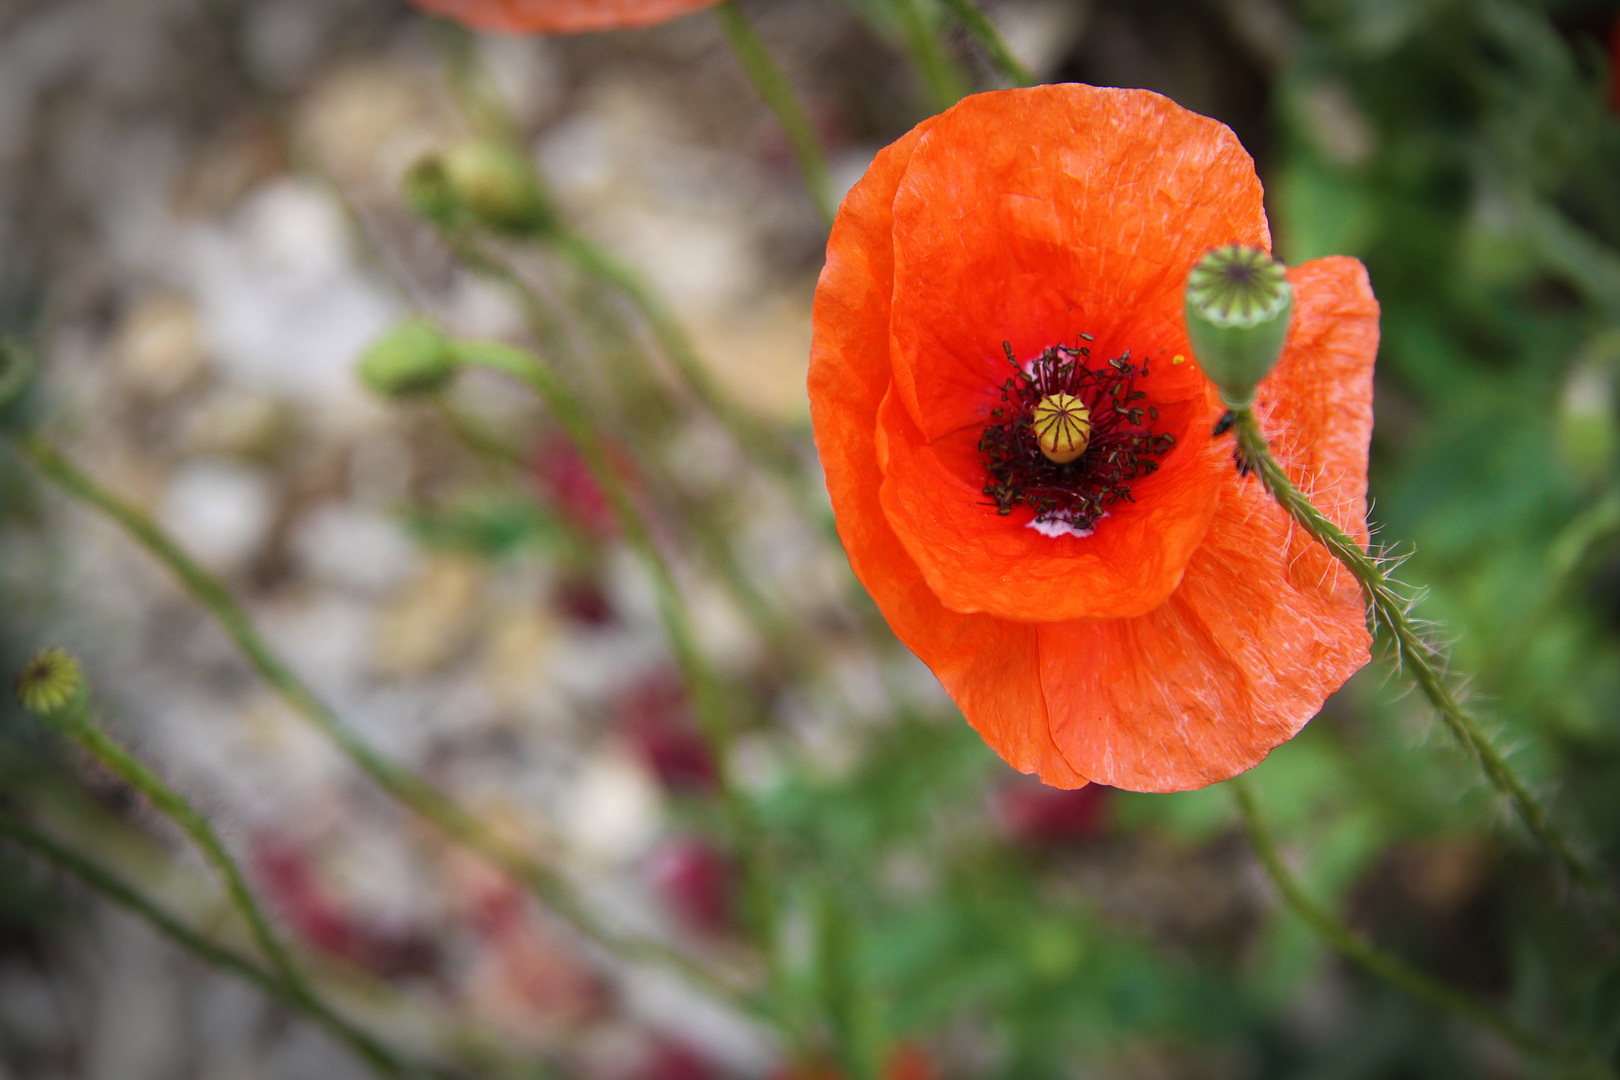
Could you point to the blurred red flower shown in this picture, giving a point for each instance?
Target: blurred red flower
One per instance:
(1032, 813)
(694, 880)
(560, 16)
(567, 483)
(1143, 617)
(655, 716)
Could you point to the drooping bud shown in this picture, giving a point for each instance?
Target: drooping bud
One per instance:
(413, 358)
(499, 187)
(49, 683)
(1238, 306)
(1062, 426)
(427, 188)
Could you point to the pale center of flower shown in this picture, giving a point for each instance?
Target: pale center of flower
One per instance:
(1062, 426)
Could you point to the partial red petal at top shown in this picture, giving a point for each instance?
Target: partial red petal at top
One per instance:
(560, 16)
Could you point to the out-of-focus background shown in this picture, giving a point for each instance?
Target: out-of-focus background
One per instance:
(202, 227)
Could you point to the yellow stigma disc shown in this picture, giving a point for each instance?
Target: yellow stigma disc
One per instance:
(1062, 426)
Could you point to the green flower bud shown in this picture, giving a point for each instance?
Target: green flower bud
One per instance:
(427, 188)
(498, 187)
(49, 683)
(1238, 306)
(413, 358)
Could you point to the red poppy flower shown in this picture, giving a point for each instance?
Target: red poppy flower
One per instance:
(1143, 616)
(560, 16)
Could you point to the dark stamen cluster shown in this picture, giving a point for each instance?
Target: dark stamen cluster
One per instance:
(1122, 447)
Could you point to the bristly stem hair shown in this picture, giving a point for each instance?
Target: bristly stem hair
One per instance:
(1421, 660)
(1356, 948)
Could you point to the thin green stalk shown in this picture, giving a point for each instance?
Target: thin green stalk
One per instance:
(756, 438)
(96, 742)
(1396, 972)
(708, 698)
(773, 87)
(940, 74)
(1419, 658)
(403, 784)
(989, 38)
(103, 882)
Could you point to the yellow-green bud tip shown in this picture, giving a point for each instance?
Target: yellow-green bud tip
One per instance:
(1238, 306)
(498, 186)
(49, 682)
(413, 358)
(1062, 426)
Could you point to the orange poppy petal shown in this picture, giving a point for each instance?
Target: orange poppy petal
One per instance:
(990, 668)
(560, 16)
(1077, 210)
(1265, 624)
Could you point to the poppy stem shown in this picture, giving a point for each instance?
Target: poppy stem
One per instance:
(404, 785)
(1358, 949)
(220, 956)
(773, 86)
(76, 722)
(989, 38)
(1422, 661)
(940, 74)
(708, 696)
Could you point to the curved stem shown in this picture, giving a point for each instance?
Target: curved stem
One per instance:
(773, 87)
(404, 785)
(126, 767)
(761, 443)
(1392, 970)
(944, 80)
(1422, 661)
(103, 882)
(989, 38)
(708, 699)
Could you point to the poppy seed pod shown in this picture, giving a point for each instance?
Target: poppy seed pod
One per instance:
(49, 683)
(498, 186)
(412, 359)
(1238, 308)
(427, 188)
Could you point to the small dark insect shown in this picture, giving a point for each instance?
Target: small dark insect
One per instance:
(1224, 424)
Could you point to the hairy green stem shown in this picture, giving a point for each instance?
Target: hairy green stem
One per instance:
(404, 785)
(110, 753)
(1396, 972)
(1419, 658)
(944, 80)
(989, 38)
(778, 94)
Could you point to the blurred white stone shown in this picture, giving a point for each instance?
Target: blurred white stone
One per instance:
(353, 548)
(284, 307)
(160, 345)
(526, 74)
(220, 512)
(1040, 33)
(613, 813)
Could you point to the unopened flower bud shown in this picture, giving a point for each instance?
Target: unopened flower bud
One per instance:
(49, 683)
(428, 189)
(1062, 426)
(1238, 306)
(498, 187)
(413, 358)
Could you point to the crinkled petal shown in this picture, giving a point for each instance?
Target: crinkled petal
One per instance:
(560, 16)
(1265, 624)
(989, 667)
(1079, 211)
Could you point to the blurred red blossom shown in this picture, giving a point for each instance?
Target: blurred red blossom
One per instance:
(1032, 813)
(655, 716)
(694, 880)
(560, 16)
